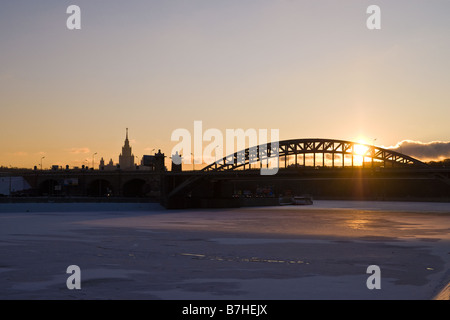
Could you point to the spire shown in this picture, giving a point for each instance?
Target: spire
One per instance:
(127, 143)
(126, 158)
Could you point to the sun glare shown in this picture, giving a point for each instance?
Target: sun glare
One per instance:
(361, 149)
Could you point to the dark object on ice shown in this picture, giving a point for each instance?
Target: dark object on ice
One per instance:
(296, 200)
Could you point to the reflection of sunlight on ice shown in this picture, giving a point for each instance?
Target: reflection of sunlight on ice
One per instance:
(357, 224)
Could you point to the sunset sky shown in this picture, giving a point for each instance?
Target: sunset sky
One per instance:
(311, 69)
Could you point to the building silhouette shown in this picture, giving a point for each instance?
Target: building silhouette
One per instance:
(155, 162)
(109, 166)
(126, 158)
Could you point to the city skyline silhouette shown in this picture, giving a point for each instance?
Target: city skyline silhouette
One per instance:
(310, 69)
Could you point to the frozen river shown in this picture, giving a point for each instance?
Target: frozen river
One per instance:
(142, 251)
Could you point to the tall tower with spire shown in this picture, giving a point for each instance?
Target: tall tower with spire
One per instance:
(126, 158)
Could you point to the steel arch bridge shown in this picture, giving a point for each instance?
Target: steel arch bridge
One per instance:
(304, 151)
(334, 153)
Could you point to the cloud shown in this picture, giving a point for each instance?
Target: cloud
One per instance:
(79, 150)
(426, 151)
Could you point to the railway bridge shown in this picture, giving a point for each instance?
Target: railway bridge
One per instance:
(324, 168)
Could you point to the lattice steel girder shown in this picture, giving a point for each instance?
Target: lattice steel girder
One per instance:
(328, 145)
(337, 146)
(309, 146)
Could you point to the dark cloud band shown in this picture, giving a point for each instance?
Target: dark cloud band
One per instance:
(435, 150)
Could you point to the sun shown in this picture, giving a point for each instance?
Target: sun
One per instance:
(361, 148)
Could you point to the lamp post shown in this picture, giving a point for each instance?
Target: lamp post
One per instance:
(193, 163)
(137, 161)
(41, 161)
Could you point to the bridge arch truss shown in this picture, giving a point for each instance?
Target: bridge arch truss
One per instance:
(313, 152)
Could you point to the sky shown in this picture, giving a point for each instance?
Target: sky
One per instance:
(311, 69)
